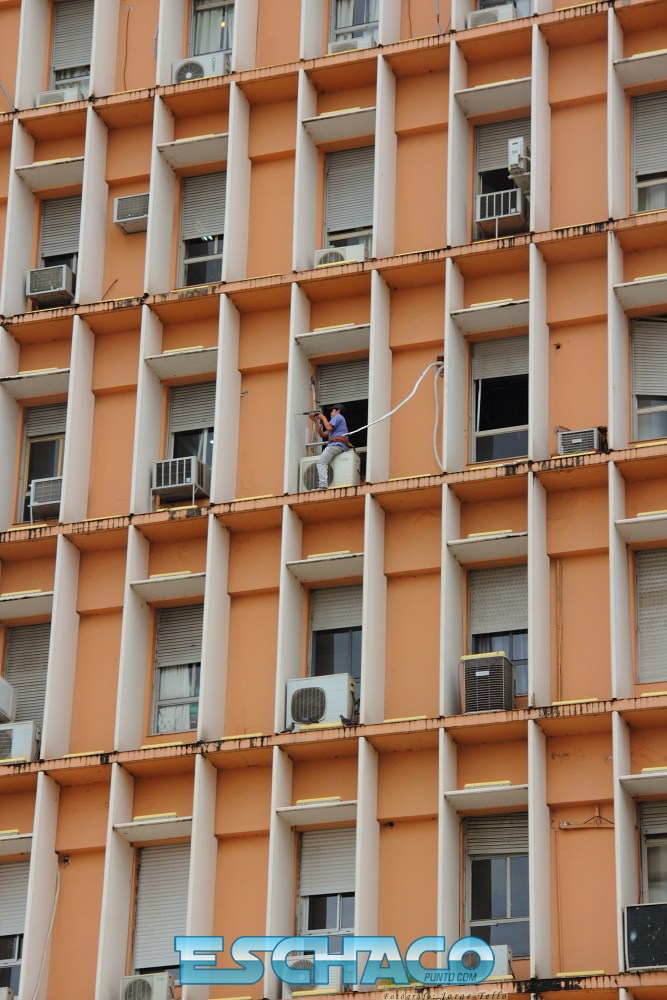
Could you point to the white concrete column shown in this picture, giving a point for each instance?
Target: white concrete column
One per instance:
(313, 13)
(33, 32)
(299, 396)
(203, 861)
(79, 427)
(62, 653)
(539, 646)
(148, 417)
(19, 226)
(379, 390)
(540, 136)
(449, 846)
(457, 152)
(619, 592)
(385, 194)
(237, 201)
(9, 426)
(374, 616)
(389, 28)
(456, 375)
(625, 841)
(451, 598)
(280, 890)
(215, 634)
(538, 349)
(616, 128)
(539, 854)
(133, 647)
(245, 35)
(618, 374)
(104, 47)
(290, 605)
(367, 858)
(172, 17)
(305, 180)
(94, 196)
(157, 276)
(227, 404)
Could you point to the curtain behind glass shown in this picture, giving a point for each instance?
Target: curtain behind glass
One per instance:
(209, 36)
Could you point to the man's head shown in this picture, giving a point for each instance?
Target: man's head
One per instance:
(336, 408)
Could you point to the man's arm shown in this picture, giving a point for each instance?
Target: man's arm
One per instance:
(319, 419)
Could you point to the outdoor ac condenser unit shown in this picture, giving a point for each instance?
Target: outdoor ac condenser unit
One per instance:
(319, 700)
(366, 41)
(7, 701)
(19, 741)
(502, 955)
(6, 993)
(306, 962)
(61, 96)
(155, 986)
(130, 213)
(50, 286)
(573, 442)
(491, 15)
(197, 67)
(343, 471)
(340, 255)
(487, 683)
(45, 495)
(181, 479)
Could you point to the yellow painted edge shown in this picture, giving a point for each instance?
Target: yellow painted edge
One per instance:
(480, 656)
(38, 371)
(320, 798)
(241, 736)
(324, 555)
(406, 718)
(490, 302)
(417, 475)
(652, 694)
(574, 701)
(156, 746)
(20, 593)
(8, 833)
(486, 534)
(650, 513)
(13, 760)
(139, 819)
(341, 111)
(649, 444)
(338, 326)
(586, 972)
(259, 496)
(183, 350)
(487, 784)
(83, 753)
(185, 506)
(649, 277)
(655, 770)
(164, 576)
(320, 725)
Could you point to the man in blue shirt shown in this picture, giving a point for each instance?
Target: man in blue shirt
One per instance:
(335, 432)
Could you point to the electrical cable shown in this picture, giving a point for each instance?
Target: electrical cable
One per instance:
(9, 100)
(48, 936)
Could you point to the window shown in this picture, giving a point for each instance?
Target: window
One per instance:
(335, 626)
(347, 382)
(72, 44)
(43, 460)
(59, 238)
(499, 616)
(191, 416)
(353, 19)
(651, 582)
(326, 883)
(500, 399)
(212, 26)
(203, 227)
(497, 881)
(501, 205)
(26, 664)
(13, 893)
(653, 827)
(649, 149)
(349, 197)
(649, 378)
(161, 906)
(177, 668)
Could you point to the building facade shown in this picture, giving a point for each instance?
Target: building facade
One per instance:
(429, 699)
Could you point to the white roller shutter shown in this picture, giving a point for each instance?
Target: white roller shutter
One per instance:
(192, 407)
(653, 818)
(649, 357)
(349, 197)
(652, 615)
(61, 221)
(162, 901)
(178, 635)
(13, 896)
(498, 599)
(491, 142)
(498, 358)
(203, 210)
(72, 33)
(327, 862)
(486, 835)
(342, 381)
(40, 421)
(336, 607)
(26, 668)
(649, 133)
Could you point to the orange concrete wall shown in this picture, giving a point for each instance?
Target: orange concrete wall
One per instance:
(577, 391)
(135, 57)
(408, 860)
(325, 778)
(167, 793)
(493, 762)
(278, 35)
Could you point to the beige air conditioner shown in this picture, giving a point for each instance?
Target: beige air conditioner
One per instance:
(50, 286)
(63, 95)
(491, 15)
(343, 471)
(130, 213)
(181, 479)
(365, 41)
(154, 986)
(19, 741)
(319, 700)
(45, 495)
(340, 255)
(198, 67)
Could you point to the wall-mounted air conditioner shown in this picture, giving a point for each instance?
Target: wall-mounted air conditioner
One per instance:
(6, 993)
(501, 213)
(333, 985)
(573, 442)
(19, 741)
(197, 67)
(491, 15)
(343, 471)
(365, 41)
(50, 286)
(646, 936)
(502, 960)
(319, 700)
(7, 701)
(340, 255)
(45, 497)
(487, 683)
(155, 986)
(62, 95)
(181, 479)
(130, 213)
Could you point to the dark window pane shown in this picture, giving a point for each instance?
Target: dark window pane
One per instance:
(187, 443)
(495, 180)
(495, 447)
(204, 247)
(347, 911)
(504, 402)
(323, 913)
(645, 401)
(8, 948)
(43, 462)
(489, 888)
(203, 272)
(337, 651)
(519, 886)
(516, 935)
(651, 425)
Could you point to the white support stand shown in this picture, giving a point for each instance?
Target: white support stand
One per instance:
(625, 840)
(540, 136)
(457, 153)
(148, 418)
(34, 28)
(245, 35)
(19, 226)
(379, 390)
(215, 635)
(103, 52)
(616, 127)
(299, 397)
(374, 616)
(618, 373)
(290, 605)
(538, 348)
(384, 183)
(280, 891)
(94, 197)
(619, 592)
(203, 861)
(456, 375)
(305, 179)
(79, 427)
(367, 856)
(237, 205)
(133, 647)
(157, 277)
(539, 692)
(227, 403)
(42, 887)
(451, 637)
(171, 18)
(539, 853)
(62, 652)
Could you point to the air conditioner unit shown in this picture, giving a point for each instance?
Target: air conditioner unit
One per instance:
(487, 683)
(154, 986)
(19, 741)
(50, 286)
(343, 471)
(181, 479)
(501, 213)
(366, 41)
(491, 15)
(6, 993)
(502, 960)
(334, 984)
(7, 701)
(573, 442)
(130, 213)
(62, 95)
(45, 497)
(197, 67)
(319, 700)
(340, 255)
(646, 936)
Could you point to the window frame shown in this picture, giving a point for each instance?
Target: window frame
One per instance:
(67, 76)
(475, 412)
(182, 701)
(186, 261)
(475, 638)
(470, 924)
(25, 490)
(354, 30)
(10, 969)
(210, 5)
(647, 840)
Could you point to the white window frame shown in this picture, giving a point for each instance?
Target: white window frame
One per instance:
(68, 76)
(182, 701)
(222, 5)
(354, 30)
(637, 410)
(653, 838)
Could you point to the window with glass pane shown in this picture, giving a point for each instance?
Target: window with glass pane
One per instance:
(198, 443)
(337, 651)
(202, 260)
(499, 901)
(501, 417)
(515, 645)
(649, 151)
(649, 377)
(177, 702)
(331, 912)
(353, 18)
(178, 641)
(212, 26)
(10, 961)
(44, 457)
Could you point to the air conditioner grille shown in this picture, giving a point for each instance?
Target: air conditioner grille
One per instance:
(175, 472)
(6, 738)
(308, 705)
(46, 279)
(47, 490)
(138, 989)
(488, 684)
(571, 442)
(311, 477)
(132, 206)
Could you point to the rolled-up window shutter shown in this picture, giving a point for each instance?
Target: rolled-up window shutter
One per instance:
(178, 635)
(342, 381)
(336, 607)
(162, 901)
(649, 133)
(653, 818)
(649, 357)
(491, 142)
(349, 194)
(327, 862)
(486, 835)
(40, 421)
(652, 615)
(72, 33)
(61, 221)
(499, 358)
(192, 407)
(203, 209)
(498, 600)
(26, 668)
(13, 895)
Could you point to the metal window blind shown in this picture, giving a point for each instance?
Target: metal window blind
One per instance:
(191, 407)
(13, 896)
(498, 358)
(336, 607)
(203, 209)
(653, 817)
(342, 381)
(178, 635)
(498, 599)
(649, 357)
(162, 900)
(327, 862)
(652, 615)
(496, 834)
(72, 33)
(491, 142)
(26, 667)
(61, 220)
(649, 133)
(349, 197)
(43, 420)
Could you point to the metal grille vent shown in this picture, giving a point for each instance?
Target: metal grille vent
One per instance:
(488, 684)
(138, 989)
(6, 740)
(46, 490)
(308, 705)
(132, 206)
(311, 477)
(47, 279)
(175, 472)
(571, 442)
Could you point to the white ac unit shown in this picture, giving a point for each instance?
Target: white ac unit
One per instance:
(366, 41)
(343, 471)
(502, 960)
(7, 701)
(573, 442)
(340, 255)
(130, 213)
(45, 495)
(333, 985)
(487, 683)
(181, 479)
(61, 95)
(19, 741)
(50, 286)
(6, 993)
(491, 15)
(502, 213)
(197, 67)
(319, 700)
(154, 986)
